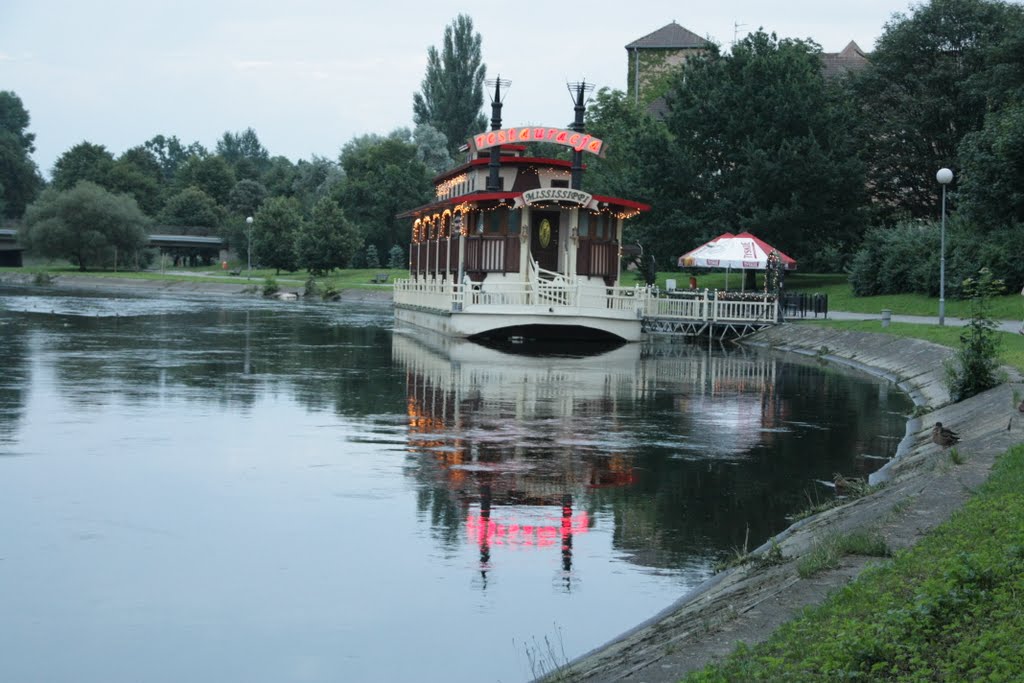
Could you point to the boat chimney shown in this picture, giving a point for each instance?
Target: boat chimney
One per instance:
(494, 166)
(579, 92)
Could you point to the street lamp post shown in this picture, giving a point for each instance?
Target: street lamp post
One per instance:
(944, 176)
(248, 246)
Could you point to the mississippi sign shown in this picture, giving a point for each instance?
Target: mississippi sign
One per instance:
(557, 194)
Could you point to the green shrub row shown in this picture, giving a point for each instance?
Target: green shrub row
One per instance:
(905, 259)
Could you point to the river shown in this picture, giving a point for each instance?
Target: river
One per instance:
(230, 489)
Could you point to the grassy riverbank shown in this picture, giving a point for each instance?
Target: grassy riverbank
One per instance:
(946, 609)
(339, 280)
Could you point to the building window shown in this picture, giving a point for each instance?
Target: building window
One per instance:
(584, 223)
(495, 223)
(559, 183)
(515, 218)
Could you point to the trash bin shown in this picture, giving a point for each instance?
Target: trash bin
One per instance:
(886, 317)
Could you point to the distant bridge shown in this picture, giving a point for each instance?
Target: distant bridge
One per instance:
(11, 250)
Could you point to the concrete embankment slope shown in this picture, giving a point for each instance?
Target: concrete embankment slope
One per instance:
(922, 487)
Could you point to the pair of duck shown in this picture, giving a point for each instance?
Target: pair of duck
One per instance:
(944, 436)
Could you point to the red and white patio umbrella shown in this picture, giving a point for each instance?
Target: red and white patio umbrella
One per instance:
(741, 252)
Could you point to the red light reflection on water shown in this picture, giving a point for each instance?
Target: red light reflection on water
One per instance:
(486, 532)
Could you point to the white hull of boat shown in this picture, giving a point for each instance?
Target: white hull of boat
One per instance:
(480, 322)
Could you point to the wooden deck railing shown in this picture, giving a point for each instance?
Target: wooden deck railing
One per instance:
(713, 306)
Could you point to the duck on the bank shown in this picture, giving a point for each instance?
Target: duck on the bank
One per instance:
(944, 436)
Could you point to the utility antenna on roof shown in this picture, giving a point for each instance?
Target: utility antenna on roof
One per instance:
(578, 91)
(736, 26)
(497, 99)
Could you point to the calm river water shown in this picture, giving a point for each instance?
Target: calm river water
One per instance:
(212, 489)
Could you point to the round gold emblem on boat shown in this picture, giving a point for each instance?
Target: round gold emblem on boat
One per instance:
(545, 233)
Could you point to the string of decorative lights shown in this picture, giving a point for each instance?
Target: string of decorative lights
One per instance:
(438, 225)
(443, 189)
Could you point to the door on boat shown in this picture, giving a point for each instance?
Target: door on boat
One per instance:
(544, 239)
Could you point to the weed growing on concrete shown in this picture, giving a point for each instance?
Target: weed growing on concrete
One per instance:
(867, 543)
(740, 556)
(772, 557)
(824, 554)
(814, 506)
(547, 659)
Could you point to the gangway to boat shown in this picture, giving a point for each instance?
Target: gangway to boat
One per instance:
(709, 313)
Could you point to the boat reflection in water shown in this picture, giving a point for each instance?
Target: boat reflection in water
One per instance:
(500, 424)
(680, 453)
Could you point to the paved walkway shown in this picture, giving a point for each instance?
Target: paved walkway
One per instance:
(1003, 325)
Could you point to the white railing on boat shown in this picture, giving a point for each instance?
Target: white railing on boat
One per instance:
(557, 291)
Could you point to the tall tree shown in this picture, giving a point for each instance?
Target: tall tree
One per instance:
(383, 177)
(246, 197)
(192, 212)
(432, 148)
(87, 225)
(279, 178)
(14, 119)
(211, 174)
(19, 177)
(328, 240)
(171, 154)
(992, 163)
(137, 172)
(769, 147)
(84, 161)
(452, 91)
(927, 86)
(275, 227)
(636, 169)
(244, 153)
(314, 179)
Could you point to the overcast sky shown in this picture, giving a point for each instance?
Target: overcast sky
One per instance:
(309, 75)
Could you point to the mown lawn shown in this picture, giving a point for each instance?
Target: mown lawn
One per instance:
(948, 609)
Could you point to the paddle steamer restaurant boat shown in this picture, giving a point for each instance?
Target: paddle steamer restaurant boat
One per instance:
(512, 247)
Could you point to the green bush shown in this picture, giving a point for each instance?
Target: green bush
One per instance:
(975, 368)
(905, 259)
(895, 260)
(372, 260)
(270, 286)
(396, 258)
